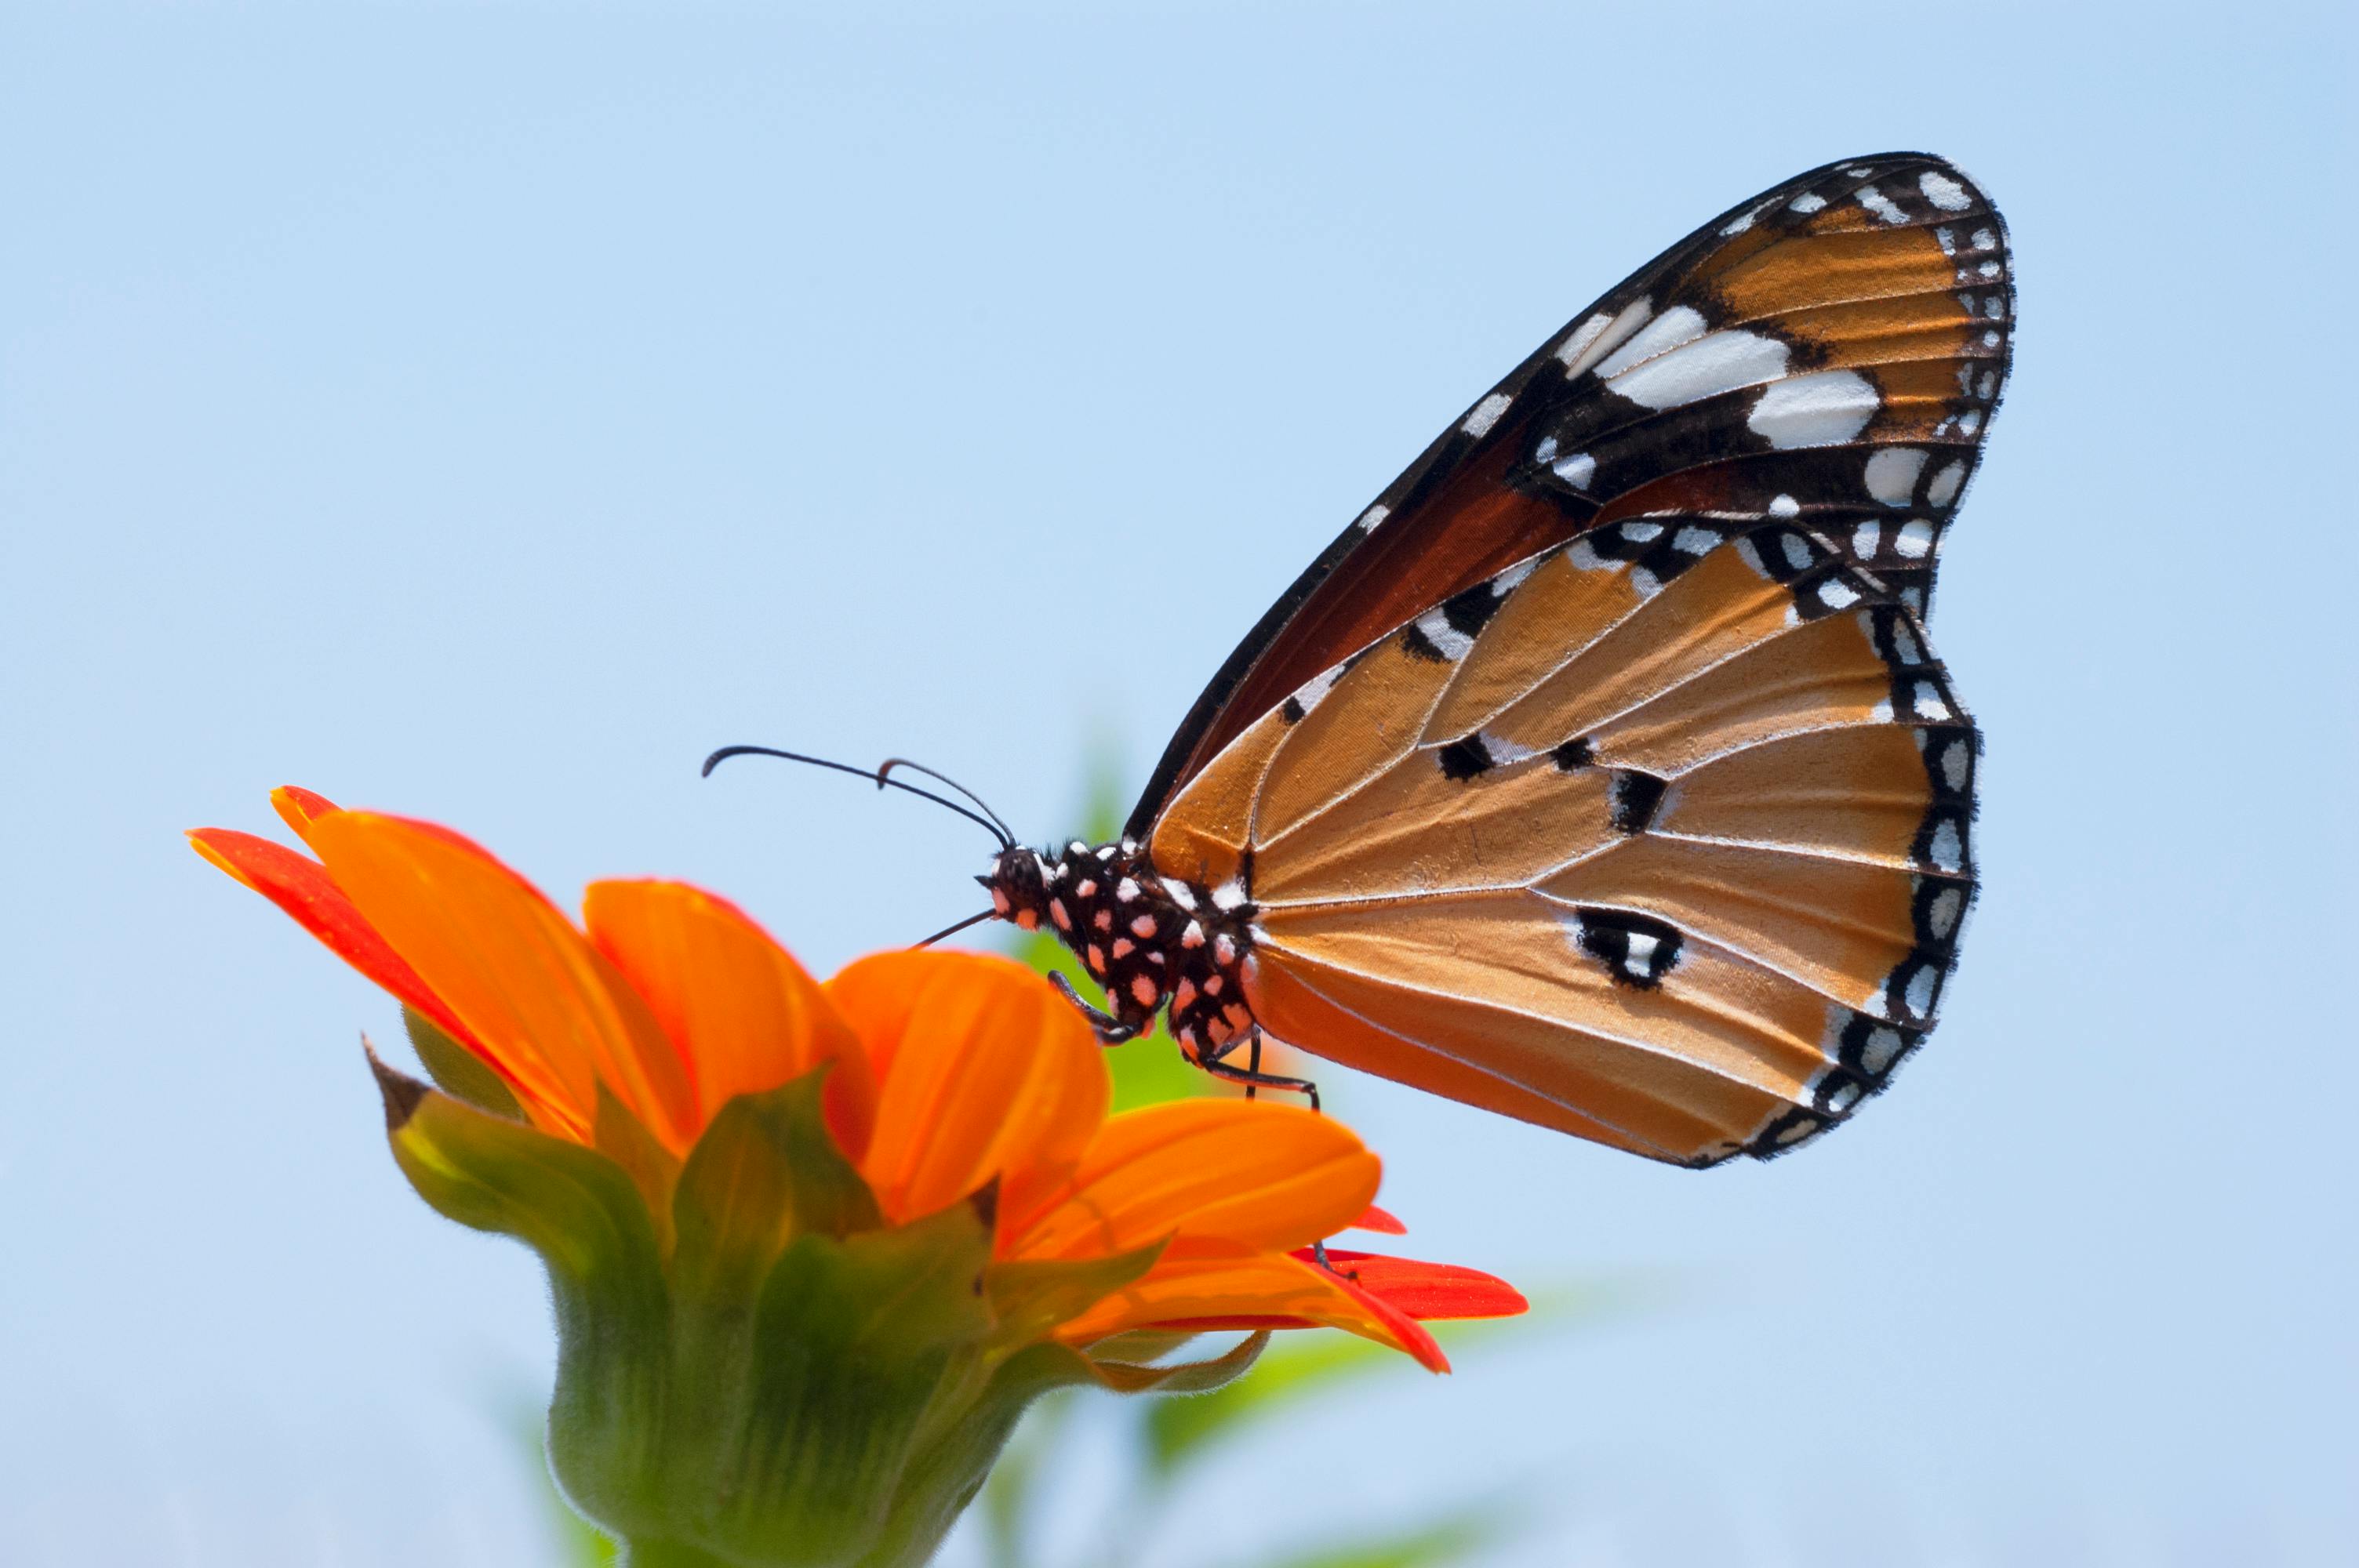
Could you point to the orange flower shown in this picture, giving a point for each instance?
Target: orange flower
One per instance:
(949, 1075)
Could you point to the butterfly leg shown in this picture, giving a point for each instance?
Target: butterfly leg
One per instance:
(1112, 1030)
(1253, 1078)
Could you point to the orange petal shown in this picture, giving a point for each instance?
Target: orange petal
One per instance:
(1252, 1293)
(298, 807)
(301, 886)
(1429, 1292)
(744, 1014)
(1266, 1177)
(542, 1000)
(981, 1071)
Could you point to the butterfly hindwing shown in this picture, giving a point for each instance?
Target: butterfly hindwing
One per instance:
(1660, 837)
(1840, 341)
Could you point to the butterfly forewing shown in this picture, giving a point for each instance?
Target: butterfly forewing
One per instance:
(1840, 341)
(1659, 838)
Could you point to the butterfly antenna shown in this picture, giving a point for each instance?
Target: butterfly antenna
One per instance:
(954, 930)
(889, 764)
(991, 825)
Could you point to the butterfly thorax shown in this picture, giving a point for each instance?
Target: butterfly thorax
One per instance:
(1152, 941)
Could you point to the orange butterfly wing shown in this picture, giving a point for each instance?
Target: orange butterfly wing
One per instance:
(1842, 338)
(1658, 837)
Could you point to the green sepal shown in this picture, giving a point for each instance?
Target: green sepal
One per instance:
(457, 1071)
(1030, 1299)
(1142, 1343)
(1188, 1376)
(572, 1206)
(653, 1169)
(765, 1171)
(793, 1428)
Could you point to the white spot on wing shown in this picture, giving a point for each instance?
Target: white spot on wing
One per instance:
(1947, 850)
(1944, 488)
(1883, 206)
(1915, 540)
(1694, 541)
(1892, 473)
(1944, 192)
(1678, 325)
(1452, 644)
(1864, 539)
(1486, 414)
(1704, 367)
(1820, 409)
(1372, 516)
(1808, 201)
(1597, 337)
(1576, 471)
(1784, 506)
(1881, 1049)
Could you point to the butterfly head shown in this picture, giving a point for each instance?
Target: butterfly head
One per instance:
(1018, 885)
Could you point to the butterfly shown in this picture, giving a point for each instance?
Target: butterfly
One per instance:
(1600, 774)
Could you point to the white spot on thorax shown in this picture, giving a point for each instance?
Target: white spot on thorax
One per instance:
(1087, 888)
(1225, 949)
(1126, 890)
(1193, 936)
(1228, 896)
(1142, 925)
(1058, 912)
(1822, 409)
(1144, 990)
(1179, 893)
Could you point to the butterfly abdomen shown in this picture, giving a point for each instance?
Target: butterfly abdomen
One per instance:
(1151, 941)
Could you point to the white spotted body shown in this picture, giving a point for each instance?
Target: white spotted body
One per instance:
(1181, 950)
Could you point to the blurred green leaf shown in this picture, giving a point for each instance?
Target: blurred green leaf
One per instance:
(1451, 1539)
(1176, 1430)
(1007, 1494)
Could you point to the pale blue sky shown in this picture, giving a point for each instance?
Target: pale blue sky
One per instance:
(482, 412)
